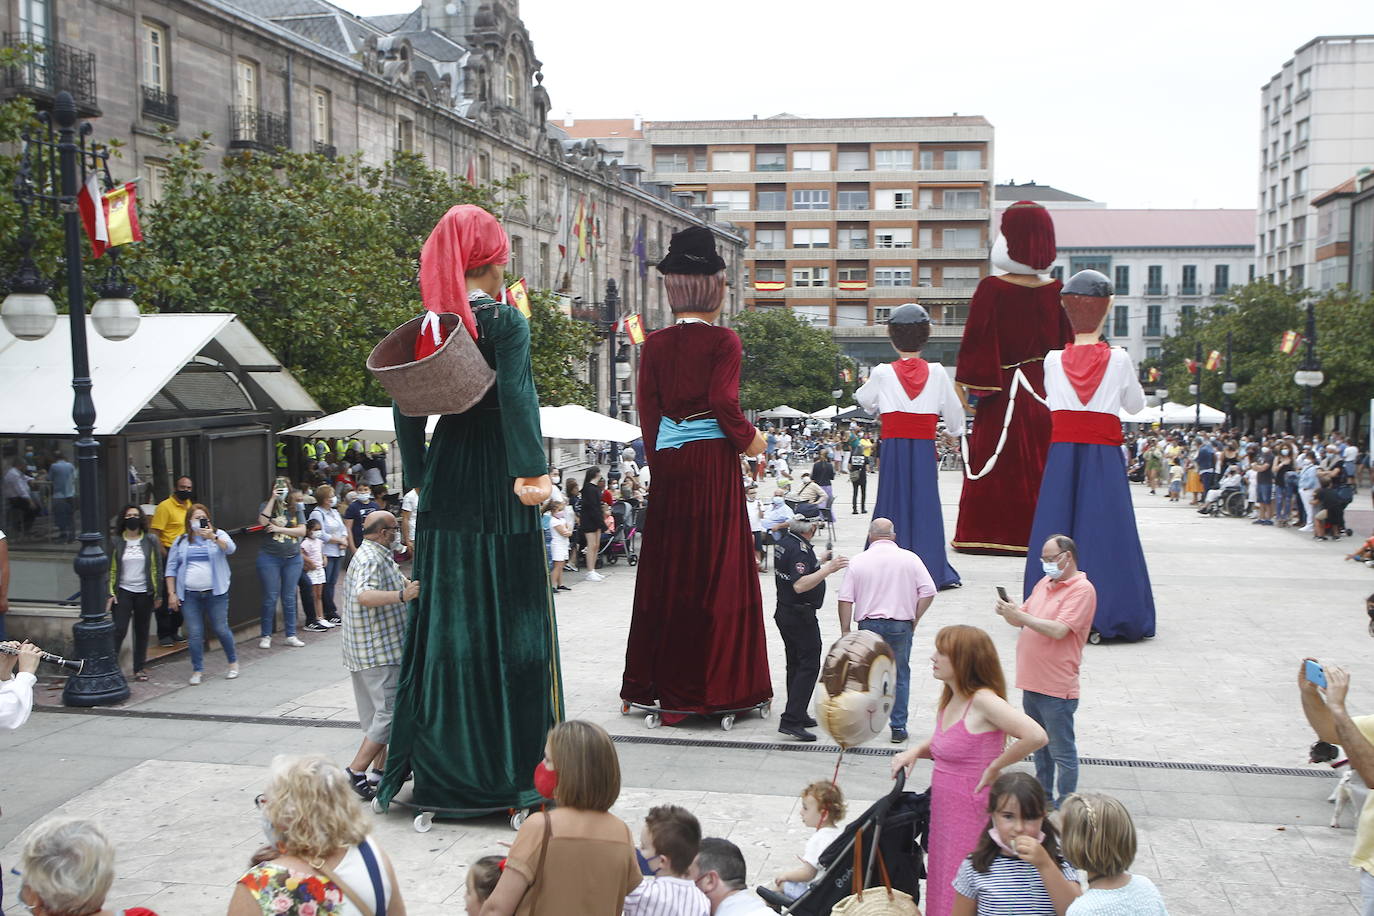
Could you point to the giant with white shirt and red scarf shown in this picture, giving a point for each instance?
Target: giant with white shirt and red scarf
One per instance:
(1084, 493)
(911, 396)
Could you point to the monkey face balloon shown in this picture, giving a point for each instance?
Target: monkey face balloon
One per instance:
(858, 683)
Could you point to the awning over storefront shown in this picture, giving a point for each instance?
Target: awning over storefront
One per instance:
(130, 375)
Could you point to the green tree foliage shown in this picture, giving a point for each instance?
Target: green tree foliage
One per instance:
(319, 258)
(1256, 316)
(787, 361)
(558, 346)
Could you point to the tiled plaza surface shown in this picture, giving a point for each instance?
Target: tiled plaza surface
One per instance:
(1239, 605)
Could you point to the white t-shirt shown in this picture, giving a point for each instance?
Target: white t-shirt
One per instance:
(411, 503)
(1139, 897)
(752, 509)
(816, 844)
(133, 567)
(558, 543)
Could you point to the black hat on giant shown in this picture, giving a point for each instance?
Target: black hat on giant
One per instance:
(692, 251)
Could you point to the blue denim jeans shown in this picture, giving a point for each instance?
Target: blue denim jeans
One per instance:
(1055, 716)
(332, 567)
(278, 576)
(196, 608)
(897, 634)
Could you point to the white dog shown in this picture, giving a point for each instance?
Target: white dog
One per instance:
(1351, 792)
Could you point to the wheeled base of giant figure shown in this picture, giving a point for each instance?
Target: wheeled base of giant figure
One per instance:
(727, 716)
(425, 814)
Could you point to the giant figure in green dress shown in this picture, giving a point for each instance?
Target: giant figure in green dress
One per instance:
(480, 685)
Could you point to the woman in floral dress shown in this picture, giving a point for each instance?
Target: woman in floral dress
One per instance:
(319, 860)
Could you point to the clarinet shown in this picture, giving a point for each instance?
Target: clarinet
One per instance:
(72, 664)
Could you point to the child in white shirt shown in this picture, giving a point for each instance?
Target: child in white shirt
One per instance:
(822, 809)
(668, 844)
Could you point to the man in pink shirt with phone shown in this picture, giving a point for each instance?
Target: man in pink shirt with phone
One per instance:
(1055, 621)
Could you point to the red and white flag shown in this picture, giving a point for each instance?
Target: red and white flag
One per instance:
(91, 203)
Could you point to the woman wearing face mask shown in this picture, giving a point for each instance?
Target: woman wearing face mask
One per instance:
(1285, 483)
(577, 858)
(279, 563)
(135, 585)
(591, 520)
(198, 585)
(319, 857)
(337, 541)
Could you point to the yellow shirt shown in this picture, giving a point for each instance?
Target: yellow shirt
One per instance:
(867, 445)
(169, 521)
(1362, 856)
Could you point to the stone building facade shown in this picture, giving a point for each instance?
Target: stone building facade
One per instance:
(457, 81)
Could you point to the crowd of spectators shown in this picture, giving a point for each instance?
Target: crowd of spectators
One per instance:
(1283, 481)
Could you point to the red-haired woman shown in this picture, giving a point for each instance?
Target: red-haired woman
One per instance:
(969, 747)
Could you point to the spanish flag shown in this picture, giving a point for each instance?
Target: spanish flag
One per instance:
(769, 286)
(1213, 361)
(634, 326)
(1289, 341)
(121, 215)
(1153, 374)
(580, 228)
(520, 297)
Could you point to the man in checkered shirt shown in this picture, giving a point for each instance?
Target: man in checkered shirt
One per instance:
(374, 633)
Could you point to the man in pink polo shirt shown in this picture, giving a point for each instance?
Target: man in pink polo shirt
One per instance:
(887, 590)
(1054, 623)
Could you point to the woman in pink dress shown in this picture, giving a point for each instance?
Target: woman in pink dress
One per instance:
(970, 749)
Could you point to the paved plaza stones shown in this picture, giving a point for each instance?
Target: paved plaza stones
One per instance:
(1236, 823)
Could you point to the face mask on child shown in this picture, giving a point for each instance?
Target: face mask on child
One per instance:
(997, 838)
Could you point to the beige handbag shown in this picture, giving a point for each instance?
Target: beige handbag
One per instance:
(880, 901)
(449, 380)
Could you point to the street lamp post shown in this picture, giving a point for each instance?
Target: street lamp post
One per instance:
(25, 312)
(1228, 387)
(1309, 374)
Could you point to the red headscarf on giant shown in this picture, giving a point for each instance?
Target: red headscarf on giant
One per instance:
(467, 237)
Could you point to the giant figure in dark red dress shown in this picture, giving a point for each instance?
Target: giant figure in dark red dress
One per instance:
(1013, 321)
(697, 641)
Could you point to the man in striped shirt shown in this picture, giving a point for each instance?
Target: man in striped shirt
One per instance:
(668, 843)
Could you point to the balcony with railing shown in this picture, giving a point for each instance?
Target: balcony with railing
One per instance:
(160, 105)
(255, 129)
(1190, 289)
(1220, 289)
(1156, 289)
(51, 68)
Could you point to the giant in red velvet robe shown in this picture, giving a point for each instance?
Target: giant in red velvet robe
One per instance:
(697, 641)
(1009, 327)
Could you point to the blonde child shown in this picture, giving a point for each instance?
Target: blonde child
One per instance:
(1099, 837)
(1175, 481)
(1016, 866)
(482, 877)
(312, 558)
(822, 809)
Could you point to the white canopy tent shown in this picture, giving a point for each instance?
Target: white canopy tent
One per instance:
(375, 424)
(1172, 413)
(783, 412)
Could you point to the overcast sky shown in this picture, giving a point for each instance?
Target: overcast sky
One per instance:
(1136, 104)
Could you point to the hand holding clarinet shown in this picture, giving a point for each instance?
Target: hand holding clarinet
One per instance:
(25, 656)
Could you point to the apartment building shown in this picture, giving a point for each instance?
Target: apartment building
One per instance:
(458, 83)
(1166, 265)
(845, 218)
(1345, 235)
(1316, 130)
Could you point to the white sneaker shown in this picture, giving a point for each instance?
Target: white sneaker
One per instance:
(329, 623)
(294, 642)
(195, 678)
(232, 673)
(594, 576)
(265, 642)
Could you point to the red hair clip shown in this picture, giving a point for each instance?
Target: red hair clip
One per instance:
(501, 866)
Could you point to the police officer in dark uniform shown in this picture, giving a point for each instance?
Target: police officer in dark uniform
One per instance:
(800, 579)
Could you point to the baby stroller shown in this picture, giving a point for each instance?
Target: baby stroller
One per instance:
(621, 543)
(897, 824)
